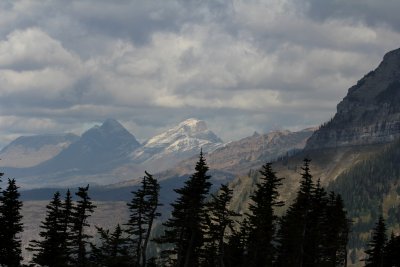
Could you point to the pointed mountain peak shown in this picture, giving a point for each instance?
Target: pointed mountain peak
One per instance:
(109, 126)
(111, 123)
(111, 129)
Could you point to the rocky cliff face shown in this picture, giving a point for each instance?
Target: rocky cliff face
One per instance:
(369, 114)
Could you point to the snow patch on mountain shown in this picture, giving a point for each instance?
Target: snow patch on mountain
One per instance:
(187, 138)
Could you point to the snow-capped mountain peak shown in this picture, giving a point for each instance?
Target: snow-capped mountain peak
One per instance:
(185, 139)
(188, 129)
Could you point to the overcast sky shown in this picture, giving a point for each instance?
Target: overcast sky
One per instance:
(242, 66)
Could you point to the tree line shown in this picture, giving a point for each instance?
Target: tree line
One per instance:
(202, 230)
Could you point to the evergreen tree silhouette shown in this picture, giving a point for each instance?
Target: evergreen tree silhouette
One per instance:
(185, 229)
(113, 249)
(336, 230)
(262, 219)
(10, 208)
(143, 212)
(2, 248)
(67, 226)
(376, 246)
(316, 228)
(391, 254)
(294, 224)
(79, 239)
(219, 218)
(236, 250)
(50, 251)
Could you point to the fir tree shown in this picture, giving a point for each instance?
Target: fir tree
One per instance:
(219, 218)
(80, 213)
(376, 246)
(316, 228)
(185, 229)
(391, 254)
(262, 219)
(143, 212)
(294, 225)
(67, 225)
(236, 250)
(336, 230)
(1, 223)
(50, 250)
(113, 249)
(10, 207)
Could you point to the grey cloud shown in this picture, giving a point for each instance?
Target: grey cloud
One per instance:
(371, 12)
(240, 65)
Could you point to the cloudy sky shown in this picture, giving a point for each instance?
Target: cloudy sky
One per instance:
(241, 65)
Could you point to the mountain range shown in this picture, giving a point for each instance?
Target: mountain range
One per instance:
(104, 154)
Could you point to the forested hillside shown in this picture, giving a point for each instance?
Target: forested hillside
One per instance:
(369, 189)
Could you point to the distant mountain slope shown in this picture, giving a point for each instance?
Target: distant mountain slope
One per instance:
(28, 151)
(238, 157)
(99, 149)
(370, 113)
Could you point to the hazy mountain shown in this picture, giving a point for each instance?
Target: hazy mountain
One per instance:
(98, 151)
(28, 151)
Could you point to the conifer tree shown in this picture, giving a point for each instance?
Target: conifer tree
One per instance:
(67, 225)
(336, 230)
(143, 209)
(219, 218)
(10, 208)
(1, 223)
(316, 228)
(262, 219)
(236, 250)
(376, 246)
(80, 213)
(391, 254)
(185, 229)
(113, 249)
(295, 224)
(50, 250)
